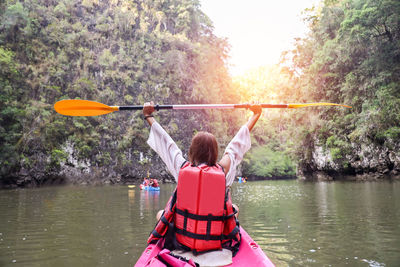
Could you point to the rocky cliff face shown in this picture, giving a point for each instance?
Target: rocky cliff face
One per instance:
(365, 162)
(113, 52)
(108, 164)
(74, 170)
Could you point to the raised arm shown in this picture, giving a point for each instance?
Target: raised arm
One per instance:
(239, 145)
(160, 141)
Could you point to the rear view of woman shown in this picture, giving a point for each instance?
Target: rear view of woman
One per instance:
(200, 215)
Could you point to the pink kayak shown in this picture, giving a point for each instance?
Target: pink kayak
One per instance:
(250, 254)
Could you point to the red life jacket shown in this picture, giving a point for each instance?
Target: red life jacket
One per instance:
(201, 211)
(155, 183)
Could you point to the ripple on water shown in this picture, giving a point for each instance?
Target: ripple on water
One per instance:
(296, 224)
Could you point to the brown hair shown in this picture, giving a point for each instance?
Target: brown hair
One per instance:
(204, 149)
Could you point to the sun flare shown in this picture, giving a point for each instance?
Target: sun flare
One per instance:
(263, 84)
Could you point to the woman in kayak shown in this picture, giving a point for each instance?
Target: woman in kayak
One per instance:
(154, 183)
(202, 172)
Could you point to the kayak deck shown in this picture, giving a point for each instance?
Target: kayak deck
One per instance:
(250, 254)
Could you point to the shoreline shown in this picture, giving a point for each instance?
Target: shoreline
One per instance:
(87, 180)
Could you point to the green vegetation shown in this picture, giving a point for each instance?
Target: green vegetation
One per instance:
(115, 52)
(128, 52)
(352, 56)
(265, 162)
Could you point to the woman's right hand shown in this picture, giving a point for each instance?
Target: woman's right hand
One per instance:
(148, 108)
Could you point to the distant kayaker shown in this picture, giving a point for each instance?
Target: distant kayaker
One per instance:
(201, 209)
(154, 183)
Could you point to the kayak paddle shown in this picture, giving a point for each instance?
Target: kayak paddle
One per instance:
(77, 107)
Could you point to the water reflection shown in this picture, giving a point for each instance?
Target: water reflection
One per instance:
(131, 196)
(148, 200)
(304, 223)
(296, 224)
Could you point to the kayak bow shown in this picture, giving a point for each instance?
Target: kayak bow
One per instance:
(250, 254)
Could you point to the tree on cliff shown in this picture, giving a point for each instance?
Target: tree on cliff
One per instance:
(352, 55)
(115, 52)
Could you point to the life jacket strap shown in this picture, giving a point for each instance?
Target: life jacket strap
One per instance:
(198, 236)
(173, 201)
(208, 230)
(231, 235)
(203, 217)
(219, 165)
(183, 164)
(164, 220)
(156, 234)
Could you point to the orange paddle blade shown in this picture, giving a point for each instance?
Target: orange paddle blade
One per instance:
(77, 107)
(315, 104)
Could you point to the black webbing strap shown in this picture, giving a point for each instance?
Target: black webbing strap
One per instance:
(156, 234)
(173, 201)
(163, 261)
(180, 258)
(185, 215)
(208, 231)
(232, 235)
(183, 164)
(203, 217)
(234, 248)
(197, 236)
(221, 167)
(164, 220)
(208, 236)
(183, 259)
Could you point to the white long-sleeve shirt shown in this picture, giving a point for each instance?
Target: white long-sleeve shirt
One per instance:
(160, 141)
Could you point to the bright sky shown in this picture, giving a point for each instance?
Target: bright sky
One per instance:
(257, 30)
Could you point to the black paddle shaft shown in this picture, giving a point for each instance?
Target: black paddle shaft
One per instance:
(156, 107)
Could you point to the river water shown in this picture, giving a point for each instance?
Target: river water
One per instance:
(296, 223)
